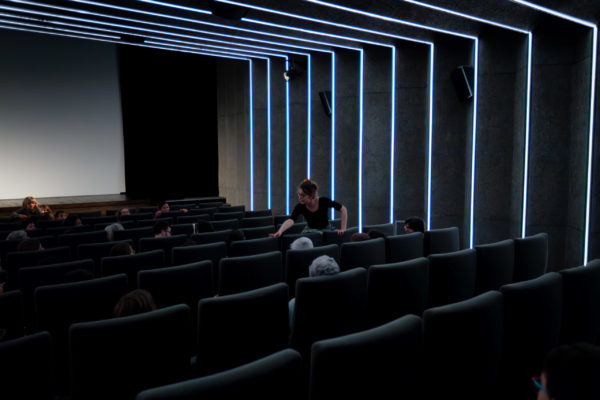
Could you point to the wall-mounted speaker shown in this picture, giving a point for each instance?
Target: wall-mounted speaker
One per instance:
(326, 102)
(462, 77)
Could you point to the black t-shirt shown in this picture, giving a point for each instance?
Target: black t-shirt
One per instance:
(317, 219)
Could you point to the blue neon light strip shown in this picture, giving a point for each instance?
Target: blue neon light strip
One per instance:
(392, 135)
(287, 142)
(360, 141)
(474, 144)
(594, 28)
(251, 123)
(332, 131)
(192, 9)
(50, 28)
(308, 119)
(213, 48)
(527, 123)
(430, 135)
(268, 133)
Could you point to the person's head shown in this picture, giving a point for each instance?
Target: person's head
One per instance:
(163, 206)
(121, 212)
(60, 215)
(571, 372)
(73, 220)
(29, 224)
(359, 237)
(46, 209)
(78, 275)
(21, 234)
(161, 229)
(110, 230)
(323, 265)
(29, 203)
(414, 224)
(135, 302)
(302, 243)
(307, 191)
(204, 226)
(30, 245)
(121, 249)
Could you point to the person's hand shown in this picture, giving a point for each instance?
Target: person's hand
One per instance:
(184, 210)
(157, 214)
(275, 235)
(341, 232)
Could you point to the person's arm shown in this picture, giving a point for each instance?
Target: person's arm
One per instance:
(287, 224)
(344, 212)
(18, 215)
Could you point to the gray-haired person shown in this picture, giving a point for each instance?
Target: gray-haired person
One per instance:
(301, 243)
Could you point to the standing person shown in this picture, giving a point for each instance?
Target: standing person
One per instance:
(314, 209)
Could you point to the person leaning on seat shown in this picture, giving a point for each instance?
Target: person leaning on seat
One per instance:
(30, 209)
(314, 209)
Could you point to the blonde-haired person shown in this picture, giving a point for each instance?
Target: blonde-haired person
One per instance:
(314, 209)
(30, 208)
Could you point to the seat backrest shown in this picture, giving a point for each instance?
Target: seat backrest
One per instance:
(298, 261)
(239, 328)
(463, 346)
(20, 259)
(220, 225)
(298, 227)
(328, 306)
(132, 264)
(134, 235)
(451, 277)
(255, 222)
(162, 243)
(238, 274)
(224, 208)
(387, 229)
(397, 289)
(332, 237)
(362, 254)
(532, 320)
(186, 229)
(404, 247)
(379, 363)
(581, 321)
(99, 219)
(258, 213)
(259, 232)
(150, 222)
(250, 247)
(187, 219)
(75, 239)
(210, 251)
(117, 358)
(531, 257)
(443, 240)
(11, 315)
(277, 376)
(211, 237)
(495, 265)
(97, 251)
(26, 367)
(223, 216)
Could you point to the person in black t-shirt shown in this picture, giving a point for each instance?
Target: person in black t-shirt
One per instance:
(314, 209)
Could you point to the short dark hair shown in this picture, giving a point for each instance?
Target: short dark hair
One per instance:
(573, 372)
(374, 234)
(309, 187)
(135, 302)
(159, 227)
(78, 275)
(160, 204)
(204, 226)
(121, 249)
(29, 245)
(415, 223)
(71, 219)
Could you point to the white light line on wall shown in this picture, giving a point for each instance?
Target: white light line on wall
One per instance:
(473, 145)
(430, 135)
(527, 130)
(161, 3)
(251, 122)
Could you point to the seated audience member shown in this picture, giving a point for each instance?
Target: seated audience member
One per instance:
(29, 225)
(570, 372)
(359, 237)
(122, 249)
(110, 230)
(60, 215)
(233, 236)
(21, 234)
(163, 207)
(161, 229)
(30, 209)
(414, 224)
(121, 212)
(135, 302)
(73, 220)
(46, 212)
(301, 243)
(374, 234)
(204, 226)
(322, 265)
(78, 275)
(30, 245)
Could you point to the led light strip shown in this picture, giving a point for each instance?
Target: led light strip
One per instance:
(161, 3)
(251, 118)
(475, 79)
(177, 27)
(528, 91)
(594, 28)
